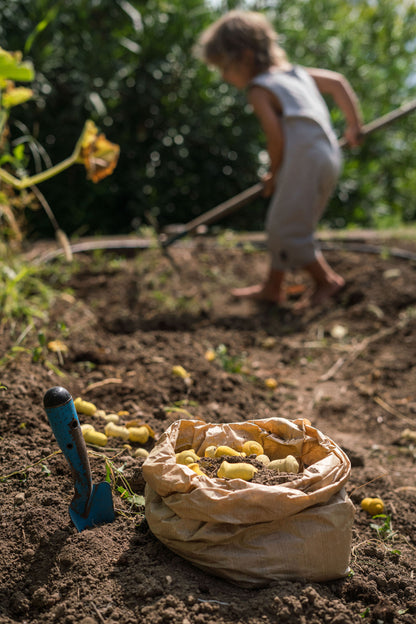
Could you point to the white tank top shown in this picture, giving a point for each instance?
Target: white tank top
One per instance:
(298, 95)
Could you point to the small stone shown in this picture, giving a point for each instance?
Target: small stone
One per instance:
(391, 273)
(339, 331)
(19, 499)
(40, 597)
(19, 603)
(269, 342)
(28, 554)
(60, 610)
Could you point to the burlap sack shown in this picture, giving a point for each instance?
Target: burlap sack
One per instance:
(245, 532)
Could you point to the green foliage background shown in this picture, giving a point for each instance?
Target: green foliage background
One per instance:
(187, 140)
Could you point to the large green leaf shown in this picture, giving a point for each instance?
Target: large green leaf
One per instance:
(12, 68)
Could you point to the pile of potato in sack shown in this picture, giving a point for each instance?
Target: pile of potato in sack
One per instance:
(241, 528)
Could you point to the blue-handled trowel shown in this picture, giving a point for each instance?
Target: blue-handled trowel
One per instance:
(92, 504)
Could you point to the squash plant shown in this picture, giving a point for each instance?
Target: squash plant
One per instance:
(98, 155)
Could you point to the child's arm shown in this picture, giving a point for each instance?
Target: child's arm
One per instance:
(338, 87)
(266, 109)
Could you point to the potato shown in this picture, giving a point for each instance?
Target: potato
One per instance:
(138, 434)
(84, 407)
(179, 371)
(141, 452)
(373, 506)
(236, 471)
(288, 464)
(95, 437)
(186, 457)
(86, 427)
(114, 418)
(264, 459)
(195, 467)
(116, 431)
(251, 447)
(225, 450)
(210, 451)
(210, 355)
(270, 383)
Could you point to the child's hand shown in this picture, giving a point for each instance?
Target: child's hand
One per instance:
(353, 136)
(268, 184)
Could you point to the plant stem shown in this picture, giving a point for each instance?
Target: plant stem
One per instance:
(48, 173)
(39, 177)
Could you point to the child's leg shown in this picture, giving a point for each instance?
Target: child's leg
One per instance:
(270, 290)
(327, 281)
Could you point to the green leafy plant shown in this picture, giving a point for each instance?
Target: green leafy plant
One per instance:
(46, 470)
(115, 476)
(24, 294)
(230, 363)
(384, 530)
(39, 354)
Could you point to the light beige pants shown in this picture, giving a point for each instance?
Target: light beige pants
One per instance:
(305, 183)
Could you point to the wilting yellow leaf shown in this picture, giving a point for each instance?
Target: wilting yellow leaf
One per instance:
(98, 154)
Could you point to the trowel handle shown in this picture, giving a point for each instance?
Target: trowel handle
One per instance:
(64, 421)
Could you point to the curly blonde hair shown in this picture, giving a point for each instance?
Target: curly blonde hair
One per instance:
(237, 31)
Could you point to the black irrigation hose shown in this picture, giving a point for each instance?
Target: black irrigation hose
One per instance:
(140, 244)
(394, 252)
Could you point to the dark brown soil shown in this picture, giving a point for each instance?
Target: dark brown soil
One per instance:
(126, 322)
(264, 475)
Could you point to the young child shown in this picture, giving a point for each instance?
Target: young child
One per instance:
(305, 159)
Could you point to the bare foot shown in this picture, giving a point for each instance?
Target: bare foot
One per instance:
(322, 293)
(325, 291)
(258, 292)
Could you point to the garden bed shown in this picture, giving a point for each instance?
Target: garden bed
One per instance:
(349, 367)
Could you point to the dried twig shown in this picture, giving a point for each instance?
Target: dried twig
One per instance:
(379, 476)
(362, 346)
(16, 472)
(391, 410)
(406, 488)
(104, 382)
(100, 617)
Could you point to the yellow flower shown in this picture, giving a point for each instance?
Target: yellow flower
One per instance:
(99, 155)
